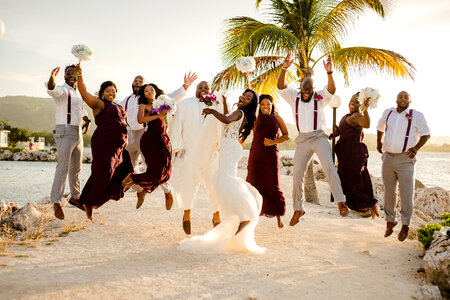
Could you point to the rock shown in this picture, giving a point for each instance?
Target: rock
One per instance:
(428, 292)
(287, 170)
(7, 208)
(286, 161)
(437, 261)
(6, 155)
(24, 218)
(87, 157)
(433, 201)
(319, 174)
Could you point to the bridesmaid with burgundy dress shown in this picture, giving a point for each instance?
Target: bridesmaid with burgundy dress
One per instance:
(155, 145)
(263, 163)
(110, 161)
(352, 155)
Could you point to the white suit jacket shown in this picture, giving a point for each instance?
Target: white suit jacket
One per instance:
(190, 130)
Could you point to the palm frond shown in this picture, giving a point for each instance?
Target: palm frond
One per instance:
(341, 18)
(359, 60)
(248, 37)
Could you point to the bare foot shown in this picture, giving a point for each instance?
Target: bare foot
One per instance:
(169, 200)
(187, 221)
(216, 219)
(140, 197)
(280, 222)
(242, 226)
(374, 211)
(88, 210)
(127, 183)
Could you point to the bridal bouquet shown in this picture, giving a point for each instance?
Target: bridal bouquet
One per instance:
(163, 102)
(209, 99)
(246, 64)
(82, 52)
(371, 94)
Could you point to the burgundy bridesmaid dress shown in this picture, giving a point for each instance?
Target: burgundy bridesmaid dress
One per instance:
(352, 155)
(110, 161)
(155, 147)
(263, 170)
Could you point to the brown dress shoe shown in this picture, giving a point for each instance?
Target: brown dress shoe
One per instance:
(343, 209)
(187, 226)
(403, 234)
(58, 211)
(296, 217)
(76, 202)
(169, 200)
(389, 228)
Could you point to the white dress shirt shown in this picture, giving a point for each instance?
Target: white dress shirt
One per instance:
(397, 124)
(60, 95)
(133, 107)
(306, 109)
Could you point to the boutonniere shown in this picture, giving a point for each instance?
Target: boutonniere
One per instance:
(317, 97)
(408, 116)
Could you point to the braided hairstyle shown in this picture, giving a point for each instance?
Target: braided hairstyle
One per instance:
(250, 114)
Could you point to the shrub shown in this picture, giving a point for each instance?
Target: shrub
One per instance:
(445, 217)
(425, 234)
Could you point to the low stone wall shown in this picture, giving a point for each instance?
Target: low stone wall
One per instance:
(34, 155)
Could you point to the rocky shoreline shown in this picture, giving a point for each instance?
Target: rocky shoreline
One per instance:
(36, 155)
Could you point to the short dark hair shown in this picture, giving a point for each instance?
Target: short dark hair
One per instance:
(270, 98)
(68, 67)
(104, 86)
(141, 95)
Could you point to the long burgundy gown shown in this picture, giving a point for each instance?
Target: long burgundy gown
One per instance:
(155, 147)
(263, 170)
(110, 161)
(352, 155)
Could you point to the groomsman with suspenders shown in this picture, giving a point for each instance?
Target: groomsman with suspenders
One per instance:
(131, 106)
(405, 131)
(307, 106)
(69, 114)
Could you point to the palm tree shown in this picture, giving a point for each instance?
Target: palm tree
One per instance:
(310, 29)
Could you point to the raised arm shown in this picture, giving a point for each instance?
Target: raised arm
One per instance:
(236, 115)
(189, 79)
(329, 68)
(281, 84)
(284, 132)
(361, 120)
(142, 118)
(225, 105)
(51, 81)
(93, 102)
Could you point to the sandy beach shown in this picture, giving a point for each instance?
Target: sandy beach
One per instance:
(131, 254)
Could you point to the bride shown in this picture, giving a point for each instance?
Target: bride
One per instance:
(239, 202)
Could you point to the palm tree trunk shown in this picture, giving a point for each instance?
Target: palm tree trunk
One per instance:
(310, 188)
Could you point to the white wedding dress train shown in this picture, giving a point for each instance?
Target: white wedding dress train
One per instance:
(238, 202)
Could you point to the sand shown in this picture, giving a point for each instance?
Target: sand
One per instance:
(131, 254)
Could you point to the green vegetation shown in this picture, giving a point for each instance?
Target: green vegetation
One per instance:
(12, 149)
(425, 234)
(445, 217)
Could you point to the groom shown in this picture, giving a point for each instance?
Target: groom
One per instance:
(195, 142)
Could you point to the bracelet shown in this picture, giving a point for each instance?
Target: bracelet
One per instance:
(186, 84)
(79, 75)
(329, 73)
(283, 68)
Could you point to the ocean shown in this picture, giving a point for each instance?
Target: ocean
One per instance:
(22, 181)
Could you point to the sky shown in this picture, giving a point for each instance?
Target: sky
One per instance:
(162, 40)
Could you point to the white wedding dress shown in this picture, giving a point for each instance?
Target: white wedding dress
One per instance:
(238, 202)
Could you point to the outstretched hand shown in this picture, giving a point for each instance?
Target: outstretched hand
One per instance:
(328, 65)
(190, 78)
(78, 70)
(55, 72)
(288, 61)
(207, 111)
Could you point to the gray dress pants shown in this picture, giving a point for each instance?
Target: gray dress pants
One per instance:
(398, 168)
(308, 144)
(69, 144)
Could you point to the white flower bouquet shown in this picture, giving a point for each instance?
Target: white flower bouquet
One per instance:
(371, 94)
(163, 102)
(246, 64)
(82, 52)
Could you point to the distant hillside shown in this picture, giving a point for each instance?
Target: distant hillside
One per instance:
(32, 113)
